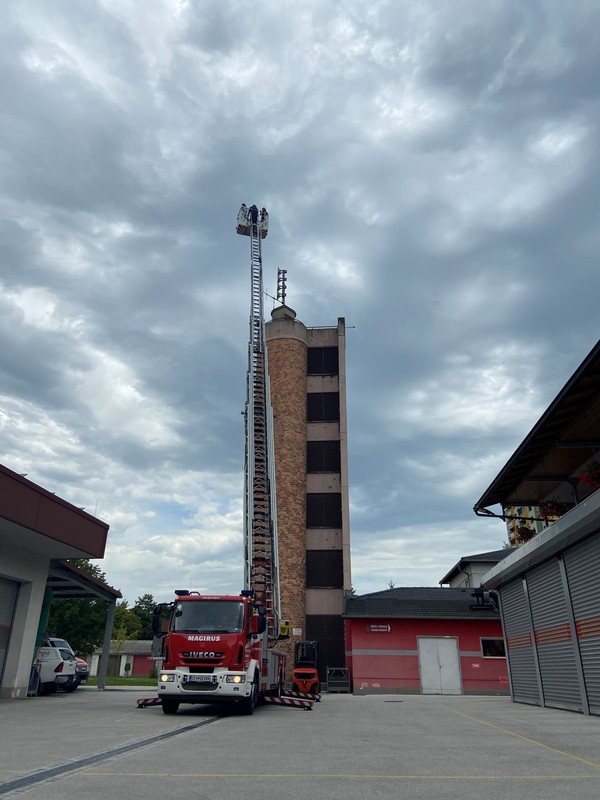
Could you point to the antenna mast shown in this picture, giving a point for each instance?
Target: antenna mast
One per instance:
(281, 285)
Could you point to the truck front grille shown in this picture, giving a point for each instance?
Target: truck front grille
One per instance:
(199, 687)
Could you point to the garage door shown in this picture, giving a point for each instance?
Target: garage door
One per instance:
(582, 563)
(8, 600)
(554, 637)
(519, 643)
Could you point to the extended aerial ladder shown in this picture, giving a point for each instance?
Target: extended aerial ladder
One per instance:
(236, 660)
(261, 560)
(261, 557)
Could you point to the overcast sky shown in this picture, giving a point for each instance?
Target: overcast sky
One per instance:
(431, 170)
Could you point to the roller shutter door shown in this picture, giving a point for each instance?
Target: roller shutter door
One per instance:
(582, 563)
(554, 637)
(8, 600)
(519, 648)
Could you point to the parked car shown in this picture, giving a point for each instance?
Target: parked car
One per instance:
(81, 672)
(56, 667)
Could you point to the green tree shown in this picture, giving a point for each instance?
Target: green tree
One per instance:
(127, 624)
(144, 609)
(80, 622)
(85, 565)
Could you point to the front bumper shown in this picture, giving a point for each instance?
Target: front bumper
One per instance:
(187, 688)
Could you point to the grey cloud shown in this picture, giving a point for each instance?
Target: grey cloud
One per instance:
(431, 174)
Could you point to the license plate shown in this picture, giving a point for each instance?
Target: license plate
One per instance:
(199, 678)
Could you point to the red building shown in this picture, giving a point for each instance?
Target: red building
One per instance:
(425, 640)
(129, 658)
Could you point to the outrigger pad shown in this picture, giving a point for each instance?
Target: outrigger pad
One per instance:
(288, 701)
(148, 701)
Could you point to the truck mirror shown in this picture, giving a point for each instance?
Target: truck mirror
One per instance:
(156, 614)
(259, 620)
(157, 647)
(159, 618)
(261, 624)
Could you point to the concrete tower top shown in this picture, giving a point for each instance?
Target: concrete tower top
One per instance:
(283, 312)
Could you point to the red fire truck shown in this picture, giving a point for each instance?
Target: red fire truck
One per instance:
(216, 651)
(219, 649)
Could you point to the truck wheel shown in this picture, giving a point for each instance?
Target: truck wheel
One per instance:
(170, 706)
(250, 703)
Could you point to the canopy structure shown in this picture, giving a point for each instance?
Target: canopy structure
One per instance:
(546, 464)
(38, 533)
(70, 583)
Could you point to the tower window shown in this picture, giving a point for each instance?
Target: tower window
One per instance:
(323, 407)
(323, 456)
(324, 510)
(324, 569)
(323, 361)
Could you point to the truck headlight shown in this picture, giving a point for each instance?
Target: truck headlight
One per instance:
(235, 679)
(164, 678)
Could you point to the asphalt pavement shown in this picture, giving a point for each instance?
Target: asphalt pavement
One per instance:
(90, 745)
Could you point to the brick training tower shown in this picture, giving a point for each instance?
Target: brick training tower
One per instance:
(308, 395)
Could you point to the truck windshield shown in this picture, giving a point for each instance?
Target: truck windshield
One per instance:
(209, 616)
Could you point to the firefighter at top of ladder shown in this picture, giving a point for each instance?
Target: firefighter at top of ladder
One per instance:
(248, 216)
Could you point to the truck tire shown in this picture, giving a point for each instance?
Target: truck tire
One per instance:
(170, 706)
(250, 703)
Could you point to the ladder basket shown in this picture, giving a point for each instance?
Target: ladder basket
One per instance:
(338, 679)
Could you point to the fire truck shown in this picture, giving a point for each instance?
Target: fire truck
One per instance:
(216, 649)
(223, 648)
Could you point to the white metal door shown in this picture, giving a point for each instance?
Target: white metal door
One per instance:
(439, 665)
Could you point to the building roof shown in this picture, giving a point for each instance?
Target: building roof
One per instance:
(35, 519)
(68, 582)
(564, 438)
(421, 602)
(492, 557)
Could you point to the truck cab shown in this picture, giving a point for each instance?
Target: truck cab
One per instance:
(213, 651)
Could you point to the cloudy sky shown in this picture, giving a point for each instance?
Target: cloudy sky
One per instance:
(431, 169)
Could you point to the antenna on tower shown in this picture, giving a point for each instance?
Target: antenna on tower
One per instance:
(281, 285)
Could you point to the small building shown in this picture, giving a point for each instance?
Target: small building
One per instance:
(128, 658)
(469, 571)
(424, 640)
